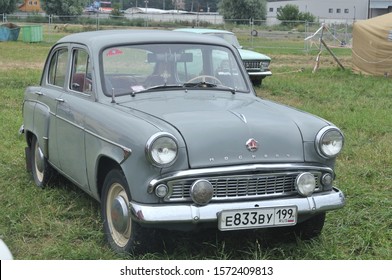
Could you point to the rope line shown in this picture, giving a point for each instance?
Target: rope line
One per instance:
(371, 62)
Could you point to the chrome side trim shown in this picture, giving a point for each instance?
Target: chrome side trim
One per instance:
(127, 151)
(71, 123)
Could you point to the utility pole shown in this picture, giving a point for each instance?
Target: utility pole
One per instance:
(146, 1)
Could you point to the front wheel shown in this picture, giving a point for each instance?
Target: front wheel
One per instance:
(121, 231)
(258, 81)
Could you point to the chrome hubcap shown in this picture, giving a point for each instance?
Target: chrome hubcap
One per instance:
(119, 214)
(119, 221)
(39, 162)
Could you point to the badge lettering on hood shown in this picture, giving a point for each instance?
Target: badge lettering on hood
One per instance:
(252, 145)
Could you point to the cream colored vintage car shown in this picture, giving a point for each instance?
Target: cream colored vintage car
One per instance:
(164, 129)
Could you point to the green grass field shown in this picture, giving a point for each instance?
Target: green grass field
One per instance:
(61, 222)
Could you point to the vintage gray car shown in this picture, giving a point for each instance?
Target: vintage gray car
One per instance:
(165, 130)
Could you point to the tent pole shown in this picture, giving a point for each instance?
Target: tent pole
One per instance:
(334, 56)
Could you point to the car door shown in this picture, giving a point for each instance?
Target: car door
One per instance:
(71, 112)
(52, 88)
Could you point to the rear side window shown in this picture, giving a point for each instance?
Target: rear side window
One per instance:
(58, 67)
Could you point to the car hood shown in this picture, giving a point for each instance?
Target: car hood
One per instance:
(216, 129)
(251, 55)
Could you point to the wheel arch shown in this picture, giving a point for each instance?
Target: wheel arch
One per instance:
(29, 137)
(104, 165)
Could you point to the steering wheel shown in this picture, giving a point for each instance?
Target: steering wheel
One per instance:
(203, 79)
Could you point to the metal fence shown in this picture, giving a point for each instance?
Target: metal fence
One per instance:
(254, 33)
(299, 35)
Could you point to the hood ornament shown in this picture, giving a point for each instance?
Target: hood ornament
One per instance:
(252, 145)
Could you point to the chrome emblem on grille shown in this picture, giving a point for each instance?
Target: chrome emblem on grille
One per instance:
(252, 145)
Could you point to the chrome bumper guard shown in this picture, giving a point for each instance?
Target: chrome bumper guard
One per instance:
(191, 213)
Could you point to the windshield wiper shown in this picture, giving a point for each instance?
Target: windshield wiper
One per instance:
(210, 85)
(200, 84)
(186, 85)
(153, 88)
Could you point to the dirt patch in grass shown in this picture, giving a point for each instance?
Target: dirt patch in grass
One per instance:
(21, 65)
(308, 61)
(292, 61)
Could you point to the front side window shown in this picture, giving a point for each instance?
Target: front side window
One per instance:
(81, 76)
(58, 67)
(132, 69)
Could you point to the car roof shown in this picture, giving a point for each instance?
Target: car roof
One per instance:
(203, 30)
(103, 38)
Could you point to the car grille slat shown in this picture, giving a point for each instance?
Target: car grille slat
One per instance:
(239, 187)
(252, 64)
(256, 65)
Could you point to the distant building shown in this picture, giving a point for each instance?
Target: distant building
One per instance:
(333, 10)
(379, 7)
(31, 6)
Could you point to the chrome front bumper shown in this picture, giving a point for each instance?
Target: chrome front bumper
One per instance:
(260, 74)
(188, 213)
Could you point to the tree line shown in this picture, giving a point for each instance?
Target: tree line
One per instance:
(229, 9)
(238, 8)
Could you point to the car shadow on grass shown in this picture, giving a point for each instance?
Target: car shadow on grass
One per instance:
(214, 244)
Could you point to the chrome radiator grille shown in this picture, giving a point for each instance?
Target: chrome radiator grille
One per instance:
(252, 64)
(240, 187)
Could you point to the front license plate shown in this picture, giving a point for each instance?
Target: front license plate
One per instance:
(257, 218)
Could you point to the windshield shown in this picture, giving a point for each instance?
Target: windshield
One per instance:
(137, 68)
(229, 37)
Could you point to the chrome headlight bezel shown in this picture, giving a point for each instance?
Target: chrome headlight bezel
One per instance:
(158, 142)
(264, 64)
(329, 142)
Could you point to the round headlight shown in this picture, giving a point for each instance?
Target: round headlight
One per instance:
(305, 183)
(162, 149)
(329, 142)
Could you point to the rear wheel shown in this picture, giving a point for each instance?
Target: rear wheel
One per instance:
(121, 231)
(40, 167)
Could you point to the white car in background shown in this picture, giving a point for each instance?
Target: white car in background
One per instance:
(5, 253)
(256, 64)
